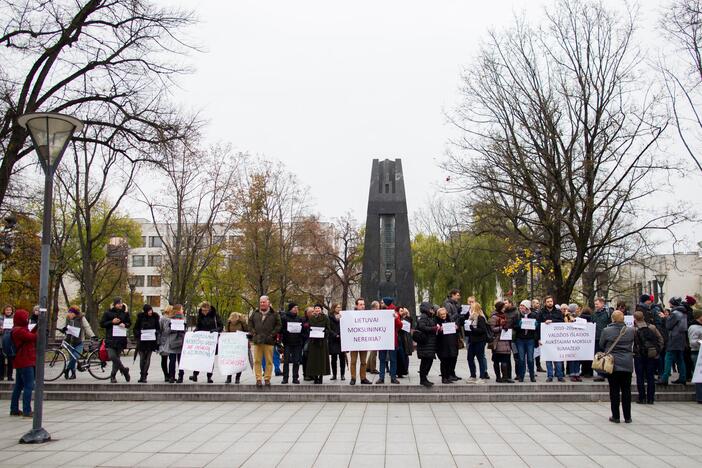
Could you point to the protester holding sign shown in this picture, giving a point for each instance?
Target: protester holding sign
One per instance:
(24, 342)
(526, 334)
(478, 333)
(236, 323)
(647, 347)
(75, 326)
(551, 314)
(318, 348)
(404, 339)
(359, 356)
(676, 326)
(601, 318)
(694, 333)
(425, 336)
(264, 325)
(501, 345)
(207, 320)
(6, 324)
(390, 355)
(446, 345)
(146, 332)
(116, 322)
(172, 338)
(618, 340)
(335, 343)
(293, 341)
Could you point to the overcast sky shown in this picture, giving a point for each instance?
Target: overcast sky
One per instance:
(327, 86)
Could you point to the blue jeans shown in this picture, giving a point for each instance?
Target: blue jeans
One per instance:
(573, 368)
(525, 350)
(24, 383)
(559, 369)
(670, 358)
(73, 355)
(276, 361)
(477, 350)
(387, 355)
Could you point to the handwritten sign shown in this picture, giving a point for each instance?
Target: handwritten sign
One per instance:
(73, 331)
(198, 351)
(465, 309)
(148, 335)
(177, 324)
(233, 354)
(528, 324)
(367, 330)
(294, 327)
(629, 320)
(8, 323)
(118, 331)
(316, 332)
(406, 326)
(506, 335)
(449, 328)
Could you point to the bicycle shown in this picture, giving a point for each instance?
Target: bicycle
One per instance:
(56, 361)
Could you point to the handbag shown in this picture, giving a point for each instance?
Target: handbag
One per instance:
(102, 352)
(604, 362)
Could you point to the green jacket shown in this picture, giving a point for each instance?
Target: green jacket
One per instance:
(264, 327)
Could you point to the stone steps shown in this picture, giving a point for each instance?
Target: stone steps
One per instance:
(564, 392)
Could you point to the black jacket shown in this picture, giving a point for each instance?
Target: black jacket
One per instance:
(427, 325)
(446, 345)
(211, 322)
(291, 339)
(478, 331)
(146, 322)
(453, 308)
(119, 343)
(554, 315)
(521, 334)
(334, 337)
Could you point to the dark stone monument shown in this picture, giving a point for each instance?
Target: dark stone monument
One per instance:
(387, 258)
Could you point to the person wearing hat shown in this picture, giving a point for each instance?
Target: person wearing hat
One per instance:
(602, 318)
(147, 340)
(78, 321)
(694, 333)
(676, 327)
(115, 320)
(24, 342)
(236, 322)
(291, 329)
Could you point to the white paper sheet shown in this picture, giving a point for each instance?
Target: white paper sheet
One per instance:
(316, 332)
(177, 324)
(148, 335)
(449, 328)
(506, 335)
(118, 331)
(294, 327)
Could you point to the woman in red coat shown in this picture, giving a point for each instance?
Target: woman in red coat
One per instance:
(25, 360)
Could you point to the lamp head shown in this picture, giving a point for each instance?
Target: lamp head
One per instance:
(50, 133)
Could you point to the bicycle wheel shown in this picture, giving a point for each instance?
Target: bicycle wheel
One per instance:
(54, 364)
(96, 367)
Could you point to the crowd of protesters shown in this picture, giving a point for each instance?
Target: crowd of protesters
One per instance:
(307, 344)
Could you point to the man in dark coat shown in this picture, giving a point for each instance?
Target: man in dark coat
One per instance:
(264, 325)
(676, 326)
(292, 343)
(116, 322)
(601, 319)
(146, 332)
(426, 346)
(452, 304)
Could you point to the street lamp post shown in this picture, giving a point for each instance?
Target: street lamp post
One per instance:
(50, 133)
(532, 261)
(132, 282)
(660, 279)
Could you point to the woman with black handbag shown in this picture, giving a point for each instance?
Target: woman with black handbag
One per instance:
(618, 341)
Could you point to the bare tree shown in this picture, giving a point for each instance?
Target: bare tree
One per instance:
(559, 136)
(682, 24)
(191, 214)
(77, 56)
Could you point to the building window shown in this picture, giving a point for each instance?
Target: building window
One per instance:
(154, 260)
(154, 281)
(155, 241)
(138, 260)
(153, 301)
(139, 281)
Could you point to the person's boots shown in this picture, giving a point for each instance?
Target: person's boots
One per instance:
(142, 378)
(73, 375)
(209, 378)
(237, 380)
(193, 377)
(65, 374)
(229, 379)
(181, 374)
(423, 381)
(166, 377)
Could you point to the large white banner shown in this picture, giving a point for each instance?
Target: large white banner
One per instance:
(198, 351)
(367, 330)
(233, 354)
(697, 374)
(567, 341)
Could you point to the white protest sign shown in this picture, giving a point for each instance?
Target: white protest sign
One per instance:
(118, 331)
(31, 326)
(697, 374)
(8, 323)
(468, 324)
(148, 335)
(580, 320)
(567, 341)
(198, 351)
(528, 324)
(294, 327)
(233, 354)
(406, 326)
(177, 324)
(74, 331)
(465, 309)
(449, 328)
(506, 335)
(629, 320)
(367, 330)
(316, 332)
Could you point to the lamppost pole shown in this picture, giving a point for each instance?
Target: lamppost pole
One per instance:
(660, 279)
(131, 281)
(50, 134)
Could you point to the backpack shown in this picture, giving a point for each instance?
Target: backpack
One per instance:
(648, 342)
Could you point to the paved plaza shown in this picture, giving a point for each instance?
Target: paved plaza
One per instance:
(231, 434)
